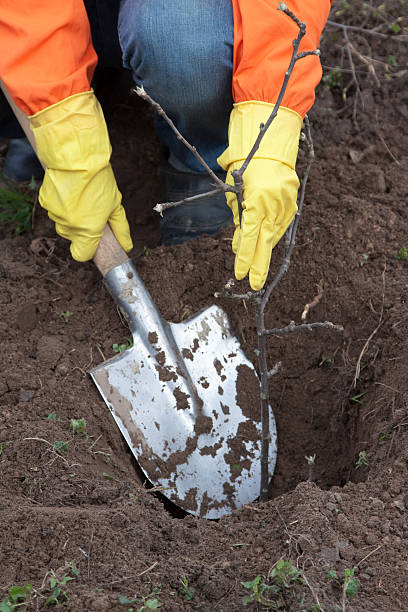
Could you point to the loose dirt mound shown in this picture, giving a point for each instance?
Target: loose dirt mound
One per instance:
(72, 491)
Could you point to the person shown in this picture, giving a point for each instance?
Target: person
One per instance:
(215, 66)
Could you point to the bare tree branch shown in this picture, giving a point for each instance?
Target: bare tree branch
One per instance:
(142, 93)
(342, 26)
(292, 327)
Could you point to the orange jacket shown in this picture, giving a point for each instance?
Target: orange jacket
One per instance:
(46, 52)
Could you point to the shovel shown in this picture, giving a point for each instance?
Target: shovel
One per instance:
(181, 395)
(180, 398)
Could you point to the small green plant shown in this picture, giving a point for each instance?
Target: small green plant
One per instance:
(18, 596)
(150, 602)
(109, 477)
(119, 348)
(52, 589)
(3, 446)
(57, 581)
(66, 315)
(333, 79)
(402, 253)
(78, 426)
(357, 398)
(269, 591)
(344, 9)
(16, 207)
(350, 583)
(52, 416)
(61, 447)
(383, 438)
(365, 258)
(332, 575)
(186, 590)
(394, 27)
(362, 460)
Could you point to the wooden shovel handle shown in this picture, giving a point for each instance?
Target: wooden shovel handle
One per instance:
(109, 253)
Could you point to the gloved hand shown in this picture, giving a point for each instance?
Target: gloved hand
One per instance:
(270, 184)
(79, 190)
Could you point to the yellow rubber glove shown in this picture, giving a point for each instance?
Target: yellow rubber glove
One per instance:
(270, 184)
(79, 190)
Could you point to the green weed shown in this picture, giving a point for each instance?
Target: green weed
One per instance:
(18, 597)
(109, 477)
(362, 460)
(52, 589)
(61, 447)
(16, 207)
(52, 416)
(66, 315)
(150, 602)
(365, 258)
(357, 398)
(394, 27)
(402, 254)
(78, 426)
(56, 583)
(350, 583)
(383, 438)
(186, 590)
(4, 445)
(119, 348)
(270, 591)
(333, 79)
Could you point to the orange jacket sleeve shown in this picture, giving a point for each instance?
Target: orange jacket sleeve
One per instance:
(46, 52)
(263, 47)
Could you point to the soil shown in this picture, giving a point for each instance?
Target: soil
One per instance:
(342, 398)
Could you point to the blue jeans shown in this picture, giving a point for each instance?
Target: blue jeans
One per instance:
(181, 52)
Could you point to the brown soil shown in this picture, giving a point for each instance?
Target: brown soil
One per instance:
(84, 501)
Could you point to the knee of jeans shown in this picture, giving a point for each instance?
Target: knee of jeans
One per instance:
(177, 52)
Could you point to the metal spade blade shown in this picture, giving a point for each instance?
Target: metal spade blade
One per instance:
(176, 395)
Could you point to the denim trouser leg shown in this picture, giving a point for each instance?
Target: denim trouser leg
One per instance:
(181, 52)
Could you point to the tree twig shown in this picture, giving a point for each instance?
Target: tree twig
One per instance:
(142, 93)
(354, 76)
(371, 336)
(165, 205)
(292, 327)
(342, 26)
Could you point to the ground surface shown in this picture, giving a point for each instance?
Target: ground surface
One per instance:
(84, 502)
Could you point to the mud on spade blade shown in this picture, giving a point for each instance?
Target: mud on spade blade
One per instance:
(174, 395)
